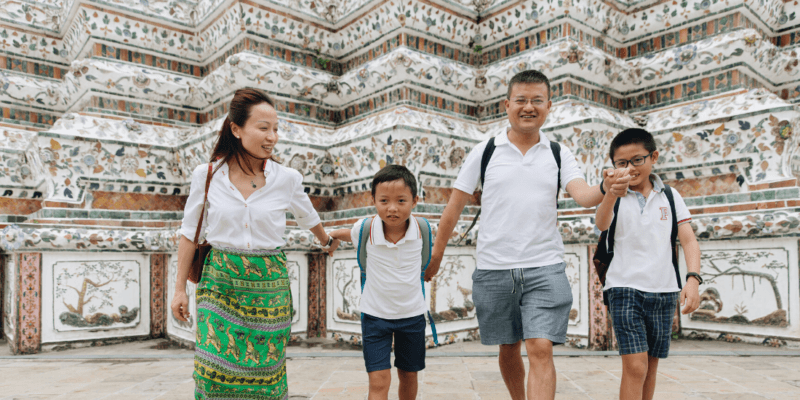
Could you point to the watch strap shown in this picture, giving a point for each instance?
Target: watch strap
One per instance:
(696, 275)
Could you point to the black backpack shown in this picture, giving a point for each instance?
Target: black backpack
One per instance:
(487, 155)
(605, 246)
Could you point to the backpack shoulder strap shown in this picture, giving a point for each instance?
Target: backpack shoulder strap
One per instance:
(425, 232)
(556, 149)
(363, 238)
(674, 233)
(487, 156)
(612, 228)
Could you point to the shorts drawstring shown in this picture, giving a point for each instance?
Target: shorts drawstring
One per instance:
(514, 280)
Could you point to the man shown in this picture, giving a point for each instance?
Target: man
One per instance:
(520, 289)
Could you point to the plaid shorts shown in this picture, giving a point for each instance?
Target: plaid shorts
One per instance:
(642, 320)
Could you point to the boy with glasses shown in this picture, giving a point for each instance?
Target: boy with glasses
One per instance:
(642, 283)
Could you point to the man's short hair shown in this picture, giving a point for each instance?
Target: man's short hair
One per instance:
(632, 136)
(392, 173)
(529, 76)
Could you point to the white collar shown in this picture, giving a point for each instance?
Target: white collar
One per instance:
(658, 184)
(377, 238)
(268, 167)
(502, 138)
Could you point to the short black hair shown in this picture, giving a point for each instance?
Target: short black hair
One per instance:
(529, 76)
(632, 136)
(392, 173)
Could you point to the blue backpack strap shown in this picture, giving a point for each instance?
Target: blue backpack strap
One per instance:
(674, 234)
(425, 232)
(361, 255)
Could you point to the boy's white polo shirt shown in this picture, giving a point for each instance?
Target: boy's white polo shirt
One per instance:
(518, 205)
(642, 251)
(393, 289)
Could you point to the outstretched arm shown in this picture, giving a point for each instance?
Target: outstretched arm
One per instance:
(458, 199)
(342, 234)
(590, 196)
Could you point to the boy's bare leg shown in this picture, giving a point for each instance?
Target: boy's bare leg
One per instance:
(513, 370)
(542, 375)
(650, 382)
(379, 382)
(634, 373)
(408, 385)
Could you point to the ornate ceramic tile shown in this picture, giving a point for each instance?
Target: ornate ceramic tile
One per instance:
(91, 295)
(747, 287)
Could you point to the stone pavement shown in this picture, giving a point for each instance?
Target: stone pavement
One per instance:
(154, 370)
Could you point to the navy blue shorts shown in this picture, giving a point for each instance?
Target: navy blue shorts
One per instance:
(409, 343)
(642, 320)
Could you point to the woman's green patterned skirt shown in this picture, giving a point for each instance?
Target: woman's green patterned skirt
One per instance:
(244, 316)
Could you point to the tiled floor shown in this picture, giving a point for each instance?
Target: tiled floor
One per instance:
(339, 374)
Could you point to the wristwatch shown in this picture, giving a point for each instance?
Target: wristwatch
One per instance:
(696, 275)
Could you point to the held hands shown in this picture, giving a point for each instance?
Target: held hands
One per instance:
(690, 296)
(616, 181)
(334, 245)
(433, 267)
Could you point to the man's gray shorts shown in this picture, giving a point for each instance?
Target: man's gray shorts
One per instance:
(522, 303)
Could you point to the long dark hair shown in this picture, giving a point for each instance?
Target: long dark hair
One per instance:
(227, 146)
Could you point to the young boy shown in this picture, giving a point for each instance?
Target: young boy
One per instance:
(641, 282)
(392, 302)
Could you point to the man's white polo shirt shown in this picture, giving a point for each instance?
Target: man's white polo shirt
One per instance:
(394, 288)
(642, 251)
(518, 204)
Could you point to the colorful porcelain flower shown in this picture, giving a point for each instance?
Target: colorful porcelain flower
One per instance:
(457, 157)
(12, 238)
(690, 148)
(141, 80)
(783, 131)
(298, 162)
(446, 74)
(89, 160)
(684, 55)
(129, 164)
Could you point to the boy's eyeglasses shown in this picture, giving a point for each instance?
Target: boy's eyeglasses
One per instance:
(636, 161)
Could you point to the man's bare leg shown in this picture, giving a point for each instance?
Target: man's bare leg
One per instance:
(513, 370)
(542, 375)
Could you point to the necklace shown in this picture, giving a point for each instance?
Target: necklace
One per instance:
(252, 182)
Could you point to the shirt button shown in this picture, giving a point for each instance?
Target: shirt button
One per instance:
(245, 225)
(248, 245)
(245, 206)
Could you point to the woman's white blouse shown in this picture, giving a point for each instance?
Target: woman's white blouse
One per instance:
(257, 223)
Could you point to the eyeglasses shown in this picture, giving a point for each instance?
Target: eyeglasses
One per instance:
(522, 102)
(636, 161)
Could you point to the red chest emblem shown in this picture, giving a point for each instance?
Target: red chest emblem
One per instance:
(664, 211)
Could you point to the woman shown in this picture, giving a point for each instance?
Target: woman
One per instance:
(244, 306)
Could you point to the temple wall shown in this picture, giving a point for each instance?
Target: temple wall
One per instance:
(106, 106)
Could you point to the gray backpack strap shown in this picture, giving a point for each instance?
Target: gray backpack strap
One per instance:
(363, 238)
(425, 232)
